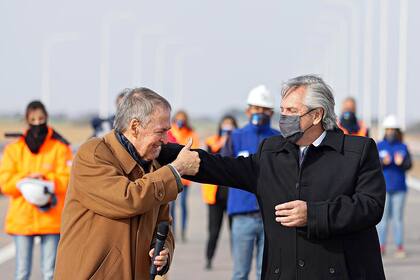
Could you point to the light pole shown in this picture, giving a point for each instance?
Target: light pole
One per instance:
(367, 67)
(354, 88)
(138, 45)
(383, 64)
(107, 20)
(47, 49)
(402, 63)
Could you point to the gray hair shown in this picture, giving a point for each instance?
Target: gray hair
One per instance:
(318, 95)
(138, 103)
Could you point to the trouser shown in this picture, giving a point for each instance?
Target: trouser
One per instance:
(247, 233)
(215, 221)
(393, 211)
(24, 249)
(184, 210)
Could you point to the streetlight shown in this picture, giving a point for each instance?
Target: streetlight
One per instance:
(354, 44)
(402, 63)
(383, 64)
(107, 20)
(137, 50)
(367, 67)
(47, 48)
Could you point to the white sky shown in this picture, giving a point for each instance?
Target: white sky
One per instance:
(202, 55)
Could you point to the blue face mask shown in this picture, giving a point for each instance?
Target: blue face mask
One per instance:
(260, 119)
(180, 123)
(391, 137)
(225, 132)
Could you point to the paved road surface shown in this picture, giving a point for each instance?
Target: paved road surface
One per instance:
(189, 257)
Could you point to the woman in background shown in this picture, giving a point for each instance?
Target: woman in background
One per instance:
(34, 173)
(182, 131)
(396, 160)
(216, 196)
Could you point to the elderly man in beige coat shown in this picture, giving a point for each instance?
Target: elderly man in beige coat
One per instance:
(118, 194)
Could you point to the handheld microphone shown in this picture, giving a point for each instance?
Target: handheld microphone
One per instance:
(162, 233)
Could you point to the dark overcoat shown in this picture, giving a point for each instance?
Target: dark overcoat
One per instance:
(342, 182)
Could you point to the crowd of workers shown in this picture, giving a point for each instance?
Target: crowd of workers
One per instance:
(35, 171)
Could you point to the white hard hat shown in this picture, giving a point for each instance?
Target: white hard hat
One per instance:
(260, 96)
(36, 192)
(391, 122)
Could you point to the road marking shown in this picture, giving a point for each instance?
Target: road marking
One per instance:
(8, 252)
(413, 183)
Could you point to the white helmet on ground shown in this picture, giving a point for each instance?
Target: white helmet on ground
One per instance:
(260, 96)
(36, 192)
(391, 121)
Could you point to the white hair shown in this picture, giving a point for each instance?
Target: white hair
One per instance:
(138, 103)
(318, 95)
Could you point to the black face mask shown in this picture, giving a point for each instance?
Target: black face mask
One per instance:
(260, 119)
(349, 121)
(391, 137)
(290, 127)
(35, 136)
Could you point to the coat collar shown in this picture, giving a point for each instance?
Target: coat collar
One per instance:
(126, 160)
(334, 139)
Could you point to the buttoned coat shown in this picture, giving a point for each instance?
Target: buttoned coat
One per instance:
(342, 182)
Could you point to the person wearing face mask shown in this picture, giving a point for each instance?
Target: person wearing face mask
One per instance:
(247, 227)
(216, 196)
(348, 121)
(102, 126)
(34, 173)
(181, 130)
(396, 160)
(321, 193)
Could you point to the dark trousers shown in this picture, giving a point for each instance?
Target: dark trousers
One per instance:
(216, 213)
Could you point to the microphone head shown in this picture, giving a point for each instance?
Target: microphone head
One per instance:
(162, 230)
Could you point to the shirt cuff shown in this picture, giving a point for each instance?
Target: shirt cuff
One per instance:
(177, 178)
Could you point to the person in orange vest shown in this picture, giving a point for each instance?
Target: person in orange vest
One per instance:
(34, 173)
(216, 196)
(182, 131)
(348, 121)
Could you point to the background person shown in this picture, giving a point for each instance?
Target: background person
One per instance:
(182, 130)
(242, 206)
(348, 122)
(396, 160)
(216, 196)
(102, 126)
(35, 207)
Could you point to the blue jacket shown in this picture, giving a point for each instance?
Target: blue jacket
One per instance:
(394, 174)
(244, 142)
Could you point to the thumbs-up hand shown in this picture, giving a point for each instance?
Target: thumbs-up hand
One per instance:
(187, 162)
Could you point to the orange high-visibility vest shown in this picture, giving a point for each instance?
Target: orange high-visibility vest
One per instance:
(209, 191)
(53, 161)
(363, 130)
(182, 135)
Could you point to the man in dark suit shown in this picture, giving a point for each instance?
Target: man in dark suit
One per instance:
(321, 192)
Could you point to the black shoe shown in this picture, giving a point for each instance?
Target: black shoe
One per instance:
(208, 265)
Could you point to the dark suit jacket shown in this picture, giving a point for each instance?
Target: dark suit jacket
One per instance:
(342, 182)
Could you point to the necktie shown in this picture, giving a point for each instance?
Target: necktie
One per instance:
(302, 156)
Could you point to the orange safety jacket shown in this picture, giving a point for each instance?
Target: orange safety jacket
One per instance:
(53, 161)
(209, 191)
(363, 129)
(182, 135)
